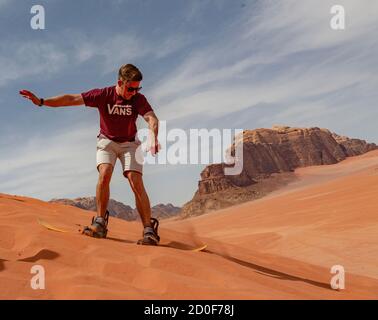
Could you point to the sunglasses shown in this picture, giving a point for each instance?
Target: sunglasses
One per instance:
(132, 89)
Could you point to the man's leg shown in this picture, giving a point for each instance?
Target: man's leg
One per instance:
(105, 171)
(98, 228)
(132, 163)
(141, 198)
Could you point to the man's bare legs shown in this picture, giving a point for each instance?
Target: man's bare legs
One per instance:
(141, 198)
(105, 171)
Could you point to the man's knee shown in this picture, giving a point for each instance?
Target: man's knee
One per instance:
(135, 180)
(105, 171)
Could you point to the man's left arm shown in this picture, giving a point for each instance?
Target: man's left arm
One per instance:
(153, 125)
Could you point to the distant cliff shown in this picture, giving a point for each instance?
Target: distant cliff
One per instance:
(120, 210)
(269, 158)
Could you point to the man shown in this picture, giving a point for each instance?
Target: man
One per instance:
(119, 107)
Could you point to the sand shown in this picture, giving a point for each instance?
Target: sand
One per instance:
(280, 247)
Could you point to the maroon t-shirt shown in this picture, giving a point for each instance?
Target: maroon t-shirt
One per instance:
(117, 115)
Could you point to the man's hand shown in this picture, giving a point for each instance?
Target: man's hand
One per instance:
(154, 147)
(151, 145)
(152, 142)
(31, 96)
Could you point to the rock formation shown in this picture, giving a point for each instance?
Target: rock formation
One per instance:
(269, 158)
(119, 210)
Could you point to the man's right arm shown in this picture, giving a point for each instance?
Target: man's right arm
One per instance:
(58, 101)
(64, 100)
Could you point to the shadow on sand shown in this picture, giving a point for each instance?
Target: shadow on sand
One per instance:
(2, 267)
(41, 255)
(272, 273)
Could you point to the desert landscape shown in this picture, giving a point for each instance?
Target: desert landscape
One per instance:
(245, 129)
(281, 246)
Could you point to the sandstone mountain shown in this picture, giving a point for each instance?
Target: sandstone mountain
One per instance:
(269, 158)
(119, 210)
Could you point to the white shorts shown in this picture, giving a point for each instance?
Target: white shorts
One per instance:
(128, 153)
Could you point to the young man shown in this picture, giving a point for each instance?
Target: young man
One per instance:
(119, 107)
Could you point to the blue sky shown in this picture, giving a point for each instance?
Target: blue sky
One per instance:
(206, 64)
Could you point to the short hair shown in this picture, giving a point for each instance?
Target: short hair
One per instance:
(129, 72)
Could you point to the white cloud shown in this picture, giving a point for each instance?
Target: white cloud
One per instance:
(281, 52)
(45, 166)
(172, 44)
(114, 50)
(4, 3)
(22, 59)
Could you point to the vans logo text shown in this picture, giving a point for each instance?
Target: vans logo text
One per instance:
(120, 110)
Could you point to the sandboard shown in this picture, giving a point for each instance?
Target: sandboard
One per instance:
(174, 245)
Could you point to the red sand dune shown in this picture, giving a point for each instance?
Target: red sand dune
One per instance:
(279, 247)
